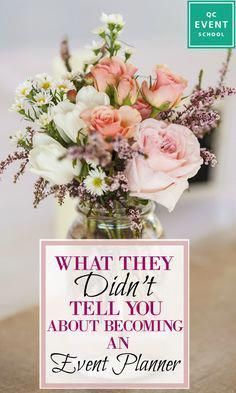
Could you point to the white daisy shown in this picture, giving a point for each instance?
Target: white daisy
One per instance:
(117, 45)
(95, 182)
(15, 138)
(41, 76)
(44, 81)
(64, 85)
(24, 89)
(17, 106)
(44, 119)
(128, 51)
(115, 19)
(101, 30)
(42, 99)
(95, 45)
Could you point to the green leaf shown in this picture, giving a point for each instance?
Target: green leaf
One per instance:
(84, 170)
(164, 106)
(112, 93)
(161, 108)
(127, 101)
(81, 137)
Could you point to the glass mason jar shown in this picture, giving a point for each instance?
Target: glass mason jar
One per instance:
(100, 225)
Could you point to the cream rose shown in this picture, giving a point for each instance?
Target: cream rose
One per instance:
(66, 116)
(44, 160)
(90, 97)
(172, 156)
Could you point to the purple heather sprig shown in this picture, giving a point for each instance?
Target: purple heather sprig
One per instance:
(208, 157)
(207, 97)
(77, 190)
(60, 192)
(136, 224)
(123, 149)
(94, 151)
(198, 115)
(119, 181)
(13, 157)
(224, 69)
(200, 121)
(40, 192)
(65, 53)
(21, 170)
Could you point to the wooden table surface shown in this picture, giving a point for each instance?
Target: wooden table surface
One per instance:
(212, 327)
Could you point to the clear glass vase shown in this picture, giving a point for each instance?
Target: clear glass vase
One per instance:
(100, 225)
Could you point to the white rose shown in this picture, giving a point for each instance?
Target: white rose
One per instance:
(66, 116)
(90, 97)
(44, 160)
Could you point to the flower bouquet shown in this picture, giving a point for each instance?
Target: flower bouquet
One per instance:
(112, 139)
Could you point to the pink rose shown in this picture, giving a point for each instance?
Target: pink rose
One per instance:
(173, 156)
(126, 92)
(143, 107)
(112, 122)
(109, 70)
(103, 119)
(166, 91)
(130, 119)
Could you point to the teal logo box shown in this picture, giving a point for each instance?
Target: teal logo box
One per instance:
(211, 24)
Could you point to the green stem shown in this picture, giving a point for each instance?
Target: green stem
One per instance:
(154, 112)
(118, 231)
(110, 233)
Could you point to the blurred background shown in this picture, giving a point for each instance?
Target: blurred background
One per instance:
(30, 38)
